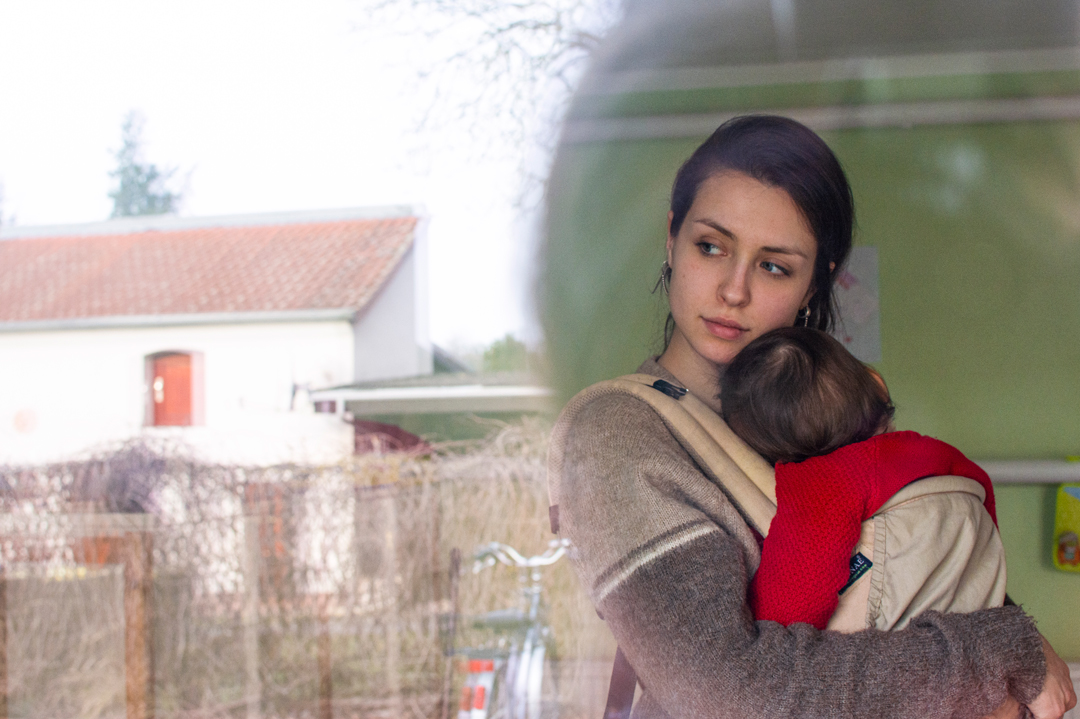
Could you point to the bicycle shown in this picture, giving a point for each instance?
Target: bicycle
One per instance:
(513, 676)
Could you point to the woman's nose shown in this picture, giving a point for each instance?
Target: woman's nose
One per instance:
(734, 288)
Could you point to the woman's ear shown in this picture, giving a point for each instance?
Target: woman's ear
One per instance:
(809, 290)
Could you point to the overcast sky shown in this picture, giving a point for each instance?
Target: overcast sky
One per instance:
(262, 106)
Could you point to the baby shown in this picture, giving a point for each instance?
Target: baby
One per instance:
(805, 404)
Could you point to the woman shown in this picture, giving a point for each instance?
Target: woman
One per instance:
(761, 218)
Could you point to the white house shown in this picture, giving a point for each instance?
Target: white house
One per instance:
(207, 331)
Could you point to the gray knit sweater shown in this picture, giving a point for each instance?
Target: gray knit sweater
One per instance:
(666, 559)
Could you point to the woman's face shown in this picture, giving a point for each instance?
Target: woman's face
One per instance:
(742, 264)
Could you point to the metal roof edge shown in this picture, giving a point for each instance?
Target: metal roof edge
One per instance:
(163, 223)
(466, 390)
(440, 400)
(833, 69)
(174, 320)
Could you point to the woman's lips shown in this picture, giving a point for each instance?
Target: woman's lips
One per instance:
(724, 329)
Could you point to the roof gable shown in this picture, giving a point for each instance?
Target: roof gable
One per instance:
(221, 267)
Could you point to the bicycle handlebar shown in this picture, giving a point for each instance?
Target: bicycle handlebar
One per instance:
(486, 555)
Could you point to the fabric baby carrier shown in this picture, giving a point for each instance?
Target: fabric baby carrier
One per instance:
(931, 546)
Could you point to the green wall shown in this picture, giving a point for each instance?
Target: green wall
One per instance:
(1026, 519)
(978, 233)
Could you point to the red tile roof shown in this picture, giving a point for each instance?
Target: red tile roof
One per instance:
(309, 265)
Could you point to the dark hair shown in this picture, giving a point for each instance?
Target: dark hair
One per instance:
(795, 393)
(780, 152)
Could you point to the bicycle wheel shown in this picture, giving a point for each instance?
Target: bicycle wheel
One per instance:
(541, 687)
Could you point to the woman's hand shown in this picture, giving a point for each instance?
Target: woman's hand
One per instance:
(1056, 698)
(1057, 695)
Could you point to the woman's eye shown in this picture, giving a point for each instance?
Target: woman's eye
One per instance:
(708, 248)
(773, 268)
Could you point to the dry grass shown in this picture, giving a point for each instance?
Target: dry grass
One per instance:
(357, 552)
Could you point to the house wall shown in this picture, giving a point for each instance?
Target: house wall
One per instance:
(978, 234)
(391, 334)
(65, 393)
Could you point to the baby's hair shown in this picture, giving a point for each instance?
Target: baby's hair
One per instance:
(796, 393)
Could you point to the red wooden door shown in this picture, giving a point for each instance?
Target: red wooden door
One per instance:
(172, 390)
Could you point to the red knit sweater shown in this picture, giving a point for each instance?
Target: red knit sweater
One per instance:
(821, 505)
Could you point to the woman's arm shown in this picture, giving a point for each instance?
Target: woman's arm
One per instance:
(666, 559)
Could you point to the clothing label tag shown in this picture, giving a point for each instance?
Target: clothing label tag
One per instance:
(859, 566)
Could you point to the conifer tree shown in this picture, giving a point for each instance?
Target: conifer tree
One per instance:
(140, 186)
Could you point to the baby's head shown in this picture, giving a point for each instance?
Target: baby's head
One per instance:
(795, 393)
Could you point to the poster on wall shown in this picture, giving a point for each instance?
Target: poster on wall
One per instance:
(859, 328)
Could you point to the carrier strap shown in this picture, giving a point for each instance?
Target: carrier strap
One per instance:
(620, 696)
(744, 476)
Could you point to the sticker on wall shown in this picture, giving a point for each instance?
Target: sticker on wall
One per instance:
(857, 296)
(1067, 528)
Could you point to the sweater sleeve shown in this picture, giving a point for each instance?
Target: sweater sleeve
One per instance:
(665, 559)
(804, 560)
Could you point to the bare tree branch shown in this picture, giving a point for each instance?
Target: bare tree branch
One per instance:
(508, 68)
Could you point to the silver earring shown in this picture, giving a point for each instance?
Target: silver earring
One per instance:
(665, 277)
(804, 315)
